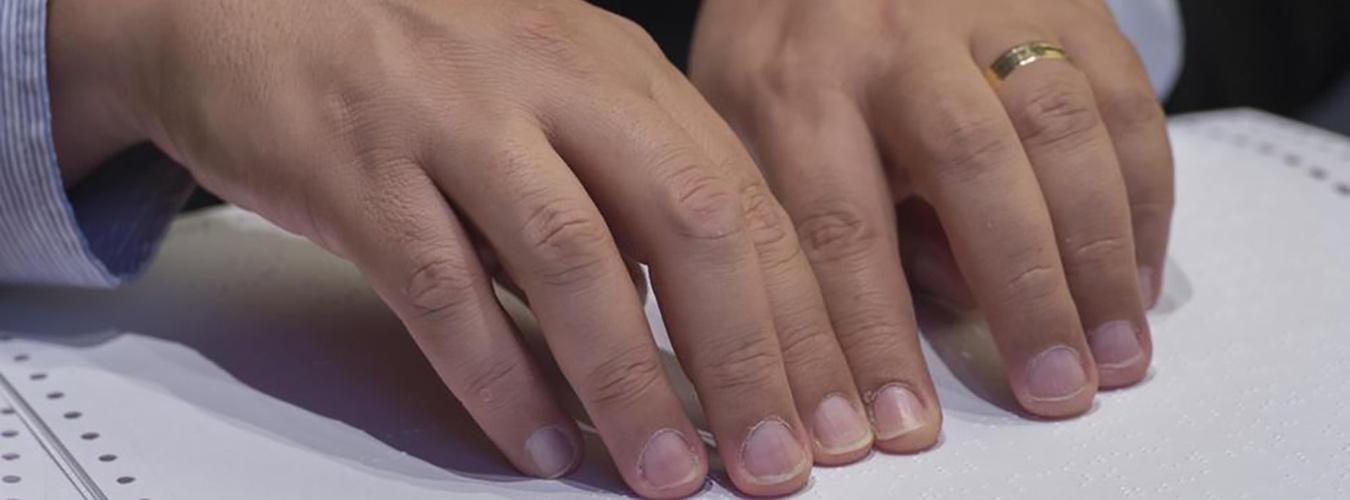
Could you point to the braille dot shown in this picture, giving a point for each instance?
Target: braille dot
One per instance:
(1318, 173)
(72, 414)
(56, 395)
(9, 433)
(10, 456)
(89, 436)
(21, 358)
(6, 411)
(125, 480)
(107, 458)
(1344, 189)
(1293, 160)
(38, 376)
(11, 479)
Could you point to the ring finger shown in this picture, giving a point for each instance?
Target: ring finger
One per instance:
(1055, 115)
(952, 136)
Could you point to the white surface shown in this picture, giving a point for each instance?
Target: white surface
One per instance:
(265, 369)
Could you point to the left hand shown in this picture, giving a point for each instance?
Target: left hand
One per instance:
(1053, 189)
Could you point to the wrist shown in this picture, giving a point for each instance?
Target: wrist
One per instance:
(95, 59)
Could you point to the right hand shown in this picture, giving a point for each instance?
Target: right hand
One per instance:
(389, 132)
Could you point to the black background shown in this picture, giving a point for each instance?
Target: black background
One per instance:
(1282, 56)
(1278, 55)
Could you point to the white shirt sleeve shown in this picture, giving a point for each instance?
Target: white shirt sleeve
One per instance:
(97, 234)
(1154, 26)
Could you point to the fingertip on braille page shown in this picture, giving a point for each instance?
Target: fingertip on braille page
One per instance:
(772, 454)
(1115, 345)
(839, 427)
(668, 460)
(896, 411)
(1056, 374)
(553, 452)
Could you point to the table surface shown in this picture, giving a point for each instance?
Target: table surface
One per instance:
(1247, 398)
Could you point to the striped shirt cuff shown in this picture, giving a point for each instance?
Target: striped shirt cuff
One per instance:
(105, 229)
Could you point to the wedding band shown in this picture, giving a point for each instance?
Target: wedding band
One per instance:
(1019, 56)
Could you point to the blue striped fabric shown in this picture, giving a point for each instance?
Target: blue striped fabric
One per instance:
(101, 232)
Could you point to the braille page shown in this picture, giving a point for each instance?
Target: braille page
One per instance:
(248, 364)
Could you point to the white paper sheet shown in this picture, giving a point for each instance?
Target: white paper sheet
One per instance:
(262, 368)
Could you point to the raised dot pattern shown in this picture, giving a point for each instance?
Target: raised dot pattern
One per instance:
(42, 384)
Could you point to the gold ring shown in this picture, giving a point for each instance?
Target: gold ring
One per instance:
(1019, 56)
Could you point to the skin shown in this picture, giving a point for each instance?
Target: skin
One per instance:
(438, 143)
(1044, 201)
(397, 134)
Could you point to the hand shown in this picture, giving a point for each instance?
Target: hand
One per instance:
(1045, 200)
(396, 134)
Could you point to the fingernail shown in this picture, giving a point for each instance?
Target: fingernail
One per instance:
(839, 427)
(895, 412)
(1146, 287)
(1115, 344)
(668, 460)
(1055, 375)
(771, 452)
(552, 451)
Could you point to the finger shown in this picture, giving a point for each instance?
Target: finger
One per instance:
(553, 240)
(927, 255)
(1138, 128)
(822, 384)
(685, 217)
(1055, 115)
(494, 268)
(951, 131)
(824, 167)
(409, 243)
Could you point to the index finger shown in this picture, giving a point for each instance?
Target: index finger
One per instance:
(684, 216)
(554, 241)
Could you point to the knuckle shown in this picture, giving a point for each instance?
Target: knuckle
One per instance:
(1133, 108)
(1057, 115)
(768, 226)
(495, 381)
(870, 322)
(873, 339)
(1098, 252)
(968, 146)
(623, 379)
(836, 231)
(806, 345)
(440, 286)
(741, 364)
(702, 206)
(1035, 284)
(1157, 207)
(568, 242)
(637, 33)
(789, 73)
(540, 29)
(509, 157)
